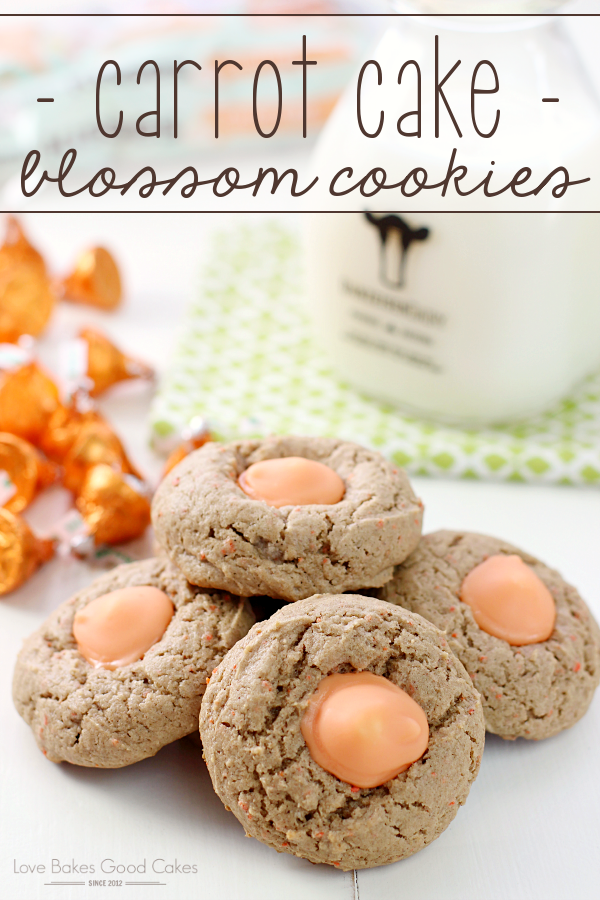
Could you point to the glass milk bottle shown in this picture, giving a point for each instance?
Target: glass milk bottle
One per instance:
(479, 313)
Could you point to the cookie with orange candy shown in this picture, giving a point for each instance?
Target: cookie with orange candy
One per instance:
(527, 639)
(119, 670)
(287, 517)
(342, 730)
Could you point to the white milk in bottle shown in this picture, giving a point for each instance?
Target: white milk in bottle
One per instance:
(463, 315)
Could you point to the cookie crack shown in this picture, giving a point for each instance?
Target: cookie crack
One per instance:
(452, 712)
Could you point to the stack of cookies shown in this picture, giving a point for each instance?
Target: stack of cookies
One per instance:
(348, 727)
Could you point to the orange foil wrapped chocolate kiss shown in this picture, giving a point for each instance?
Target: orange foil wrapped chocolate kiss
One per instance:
(95, 443)
(63, 427)
(113, 505)
(23, 472)
(28, 398)
(107, 365)
(95, 280)
(364, 729)
(26, 297)
(21, 552)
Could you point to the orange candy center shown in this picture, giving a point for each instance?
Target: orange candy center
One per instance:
(292, 481)
(364, 729)
(509, 601)
(118, 628)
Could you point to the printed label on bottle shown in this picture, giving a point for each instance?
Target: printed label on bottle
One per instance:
(379, 315)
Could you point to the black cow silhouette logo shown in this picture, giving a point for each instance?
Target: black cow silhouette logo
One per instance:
(395, 236)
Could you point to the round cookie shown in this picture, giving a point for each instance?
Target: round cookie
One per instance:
(261, 767)
(221, 537)
(531, 691)
(97, 717)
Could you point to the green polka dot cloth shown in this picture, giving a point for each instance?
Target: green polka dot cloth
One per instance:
(248, 366)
